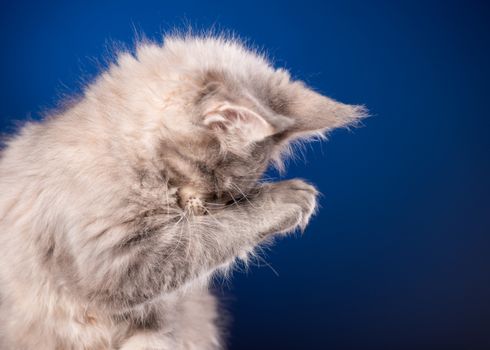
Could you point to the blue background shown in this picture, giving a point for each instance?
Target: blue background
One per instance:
(398, 257)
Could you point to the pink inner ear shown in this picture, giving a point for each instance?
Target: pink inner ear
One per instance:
(239, 121)
(215, 121)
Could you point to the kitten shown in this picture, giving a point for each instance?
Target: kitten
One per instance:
(116, 212)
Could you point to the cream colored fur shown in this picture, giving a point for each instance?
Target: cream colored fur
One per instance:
(95, 250)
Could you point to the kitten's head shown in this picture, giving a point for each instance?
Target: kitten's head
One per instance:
(226, 112)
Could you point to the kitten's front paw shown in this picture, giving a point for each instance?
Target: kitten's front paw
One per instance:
(297, 200)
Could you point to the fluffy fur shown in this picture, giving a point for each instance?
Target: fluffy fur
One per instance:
(100, 243)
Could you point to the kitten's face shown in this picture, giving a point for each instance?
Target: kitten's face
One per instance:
(240, 113)
(243, 125)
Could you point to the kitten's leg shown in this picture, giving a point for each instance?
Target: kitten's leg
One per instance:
(196, 321)
(179, 253)
(186, 320)
(149, 341)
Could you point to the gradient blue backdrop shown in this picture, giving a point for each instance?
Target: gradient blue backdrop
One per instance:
(398, 257)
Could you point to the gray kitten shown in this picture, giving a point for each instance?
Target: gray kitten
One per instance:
(116, 212)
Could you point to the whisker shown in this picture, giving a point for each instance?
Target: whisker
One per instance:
(243, 194)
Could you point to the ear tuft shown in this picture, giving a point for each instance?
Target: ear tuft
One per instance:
(238, 121)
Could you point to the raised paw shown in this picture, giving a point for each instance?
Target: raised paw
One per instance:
(296, 199)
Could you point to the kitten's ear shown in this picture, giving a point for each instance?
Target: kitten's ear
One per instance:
(238, 121)
(313, 112)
